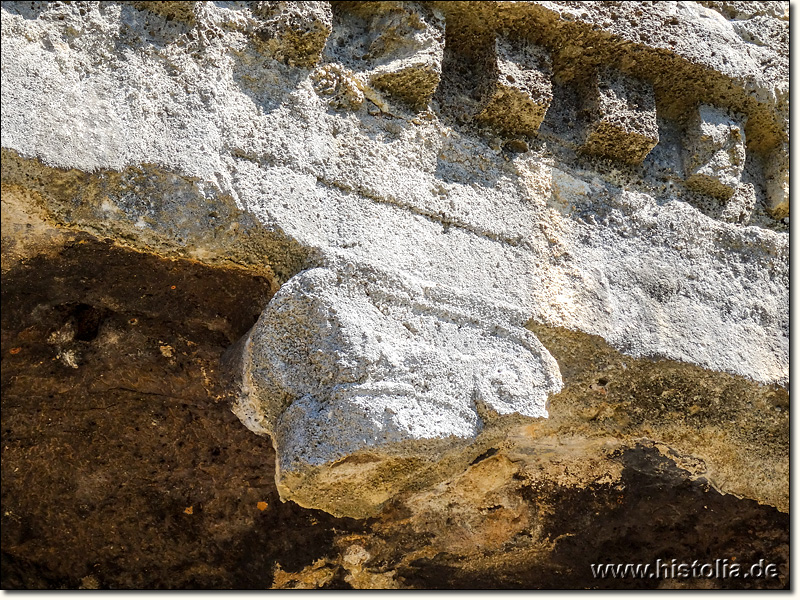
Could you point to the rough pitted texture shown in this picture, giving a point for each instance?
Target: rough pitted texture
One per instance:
(529, 269)
(714, 152)
(518, 90)
(294, 32)
(777, 174)
(395, 46)
(183, 11)
(622, 112)
(352, 361)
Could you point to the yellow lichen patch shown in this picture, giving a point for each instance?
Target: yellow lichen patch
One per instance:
(262, 506)
(312, 577)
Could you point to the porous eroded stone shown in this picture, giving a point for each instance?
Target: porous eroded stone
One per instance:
(777, 181)
(519, 87)
(396, 45)
(714, 151)
(740, 206)
(381, 385)
(412, 84)
(622, 115)
(180, 10)
(359, 362)
(746, 10)
(294, 32)
(339, 84)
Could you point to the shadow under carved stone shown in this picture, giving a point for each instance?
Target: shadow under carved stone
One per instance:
(122, 465)
(622, 114)
(364, 379)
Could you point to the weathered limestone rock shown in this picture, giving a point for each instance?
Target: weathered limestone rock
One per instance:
(740, 206)
(358, 362)
(294, 32)
(340, 85)
(519, 88)
(449, 318)
(714, 153)
(744, 10)
(496, 80)
(181, 10)
(396, 46)
(622, 115)
(777, 175)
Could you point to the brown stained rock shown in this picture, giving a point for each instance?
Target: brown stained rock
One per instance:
(727, 429)
(128, 470)
(714, 151)
(294, 32)
(412, 85)
(552, 534)
(520, 91)
(181, 11)
(622, 115)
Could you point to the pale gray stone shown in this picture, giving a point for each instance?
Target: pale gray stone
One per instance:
(714, 151)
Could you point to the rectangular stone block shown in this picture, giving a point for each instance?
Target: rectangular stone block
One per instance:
(294, 32)
(412, 82)
(398, 46)
(622, 117)
(519, 90)
(714, 151)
